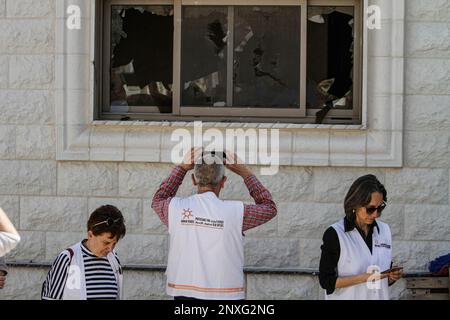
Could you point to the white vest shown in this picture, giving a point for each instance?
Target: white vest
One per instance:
(355, 258)
(8, 241)
(75, 287)
(206, 255)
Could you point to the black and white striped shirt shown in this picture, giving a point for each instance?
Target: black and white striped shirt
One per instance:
(101, 283)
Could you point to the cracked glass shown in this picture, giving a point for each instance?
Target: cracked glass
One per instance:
(141, 58)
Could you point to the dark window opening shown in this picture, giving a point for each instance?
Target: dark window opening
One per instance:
(141, 58)
(330, 59)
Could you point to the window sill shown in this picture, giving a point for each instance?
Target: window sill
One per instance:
(300, 145)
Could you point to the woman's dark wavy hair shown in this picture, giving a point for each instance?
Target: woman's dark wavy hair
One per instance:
(360, 194)
(97, 225)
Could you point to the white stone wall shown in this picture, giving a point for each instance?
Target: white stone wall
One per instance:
(50, 200)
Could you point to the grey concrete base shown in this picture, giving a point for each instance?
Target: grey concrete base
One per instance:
(24, 283)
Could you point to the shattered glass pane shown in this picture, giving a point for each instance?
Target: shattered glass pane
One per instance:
(204, 56)
(266, 56)
(330, 59)
(141, 57)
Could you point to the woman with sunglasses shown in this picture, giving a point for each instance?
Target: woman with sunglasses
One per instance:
(90, 269)
(356, 254)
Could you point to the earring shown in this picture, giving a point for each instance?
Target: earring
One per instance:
(354, 211)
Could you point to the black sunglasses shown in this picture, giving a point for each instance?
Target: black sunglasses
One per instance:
(109, 222)
(372, 210)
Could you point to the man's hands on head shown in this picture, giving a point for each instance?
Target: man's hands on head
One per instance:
(189, 159)
(236, 165)
(232, 162)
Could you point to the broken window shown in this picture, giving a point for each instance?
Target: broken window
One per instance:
(204, 56)
(267, 57)
(286, 61)
(330, 59)
(141, 58)
(264, 61)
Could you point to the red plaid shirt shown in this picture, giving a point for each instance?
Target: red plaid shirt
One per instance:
(256, 214)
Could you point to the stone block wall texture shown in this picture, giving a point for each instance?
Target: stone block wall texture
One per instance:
(50, 201)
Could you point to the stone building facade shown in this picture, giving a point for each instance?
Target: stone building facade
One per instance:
(49, 193)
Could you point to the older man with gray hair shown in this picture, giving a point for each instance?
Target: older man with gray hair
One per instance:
(206, 254)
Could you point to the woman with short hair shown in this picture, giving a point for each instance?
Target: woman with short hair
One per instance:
(90, 269)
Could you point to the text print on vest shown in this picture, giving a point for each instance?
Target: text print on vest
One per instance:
(189, 219)
(382, 245)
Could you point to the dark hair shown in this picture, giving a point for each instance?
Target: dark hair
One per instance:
(360, 194)
(107, 218)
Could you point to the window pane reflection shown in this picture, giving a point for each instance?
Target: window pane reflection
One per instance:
(267, 56)
(204, 56)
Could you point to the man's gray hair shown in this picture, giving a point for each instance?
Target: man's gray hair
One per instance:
(209, 173)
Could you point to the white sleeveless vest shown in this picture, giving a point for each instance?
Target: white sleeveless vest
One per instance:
(8, 241)
(206, 255)
(355, 258)
(75, 287)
